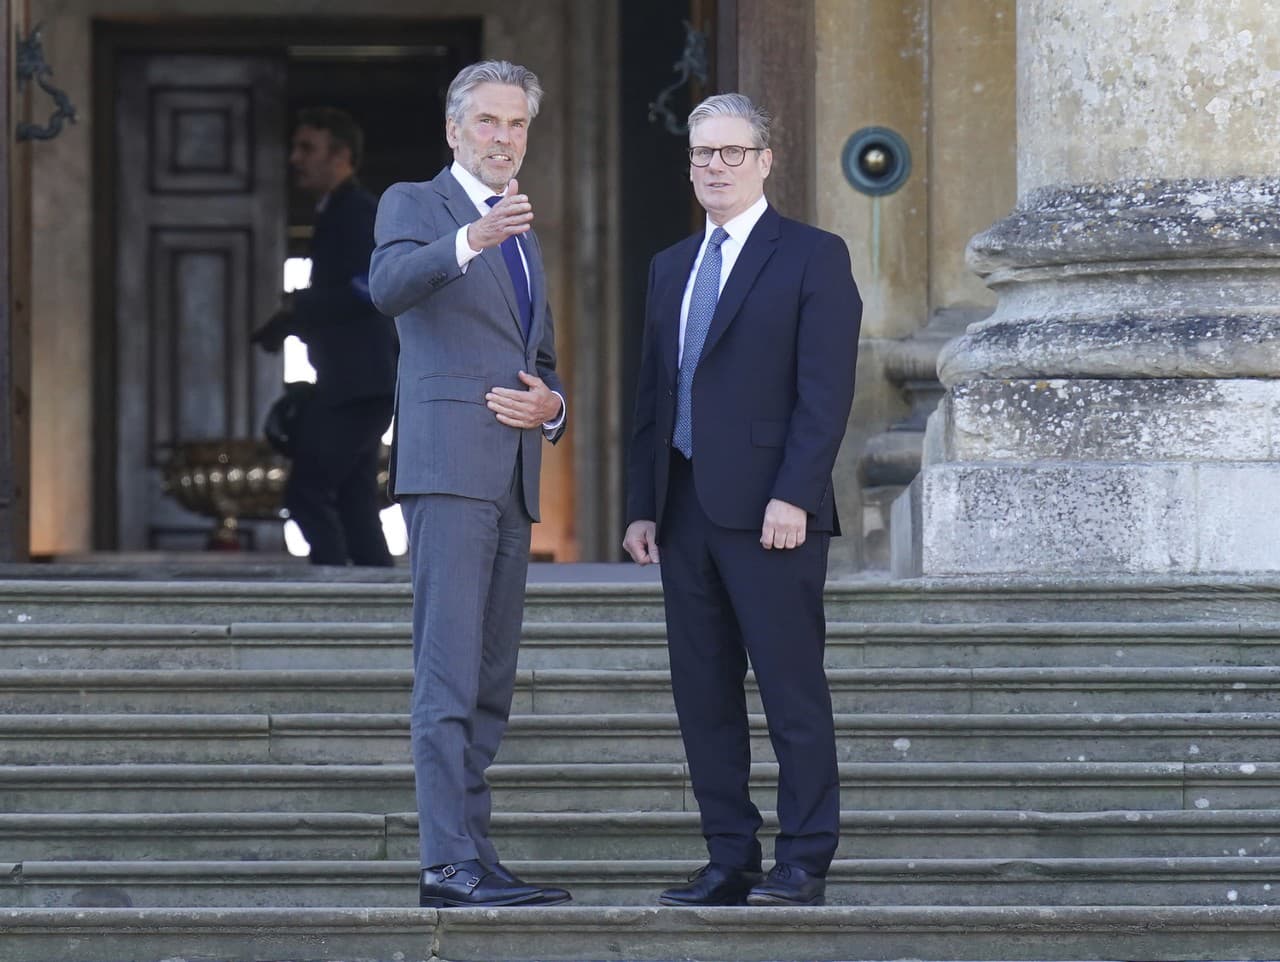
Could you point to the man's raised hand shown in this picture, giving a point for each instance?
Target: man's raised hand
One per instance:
(510, 216)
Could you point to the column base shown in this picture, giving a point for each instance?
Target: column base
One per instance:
(1089, 519)
(1096, 477)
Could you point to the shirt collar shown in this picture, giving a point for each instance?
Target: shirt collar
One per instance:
(476, 190)
(739, 228)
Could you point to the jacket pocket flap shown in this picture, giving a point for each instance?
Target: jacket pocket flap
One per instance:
(452, 387)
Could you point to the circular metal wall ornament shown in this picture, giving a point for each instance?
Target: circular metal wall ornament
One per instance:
(876, 160)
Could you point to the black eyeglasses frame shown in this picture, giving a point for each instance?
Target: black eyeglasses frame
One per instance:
(720, 151)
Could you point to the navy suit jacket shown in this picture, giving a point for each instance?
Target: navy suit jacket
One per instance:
(773, 389)
(351, 345)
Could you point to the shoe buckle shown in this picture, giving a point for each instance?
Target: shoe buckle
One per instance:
(475, 880)
(448, 871)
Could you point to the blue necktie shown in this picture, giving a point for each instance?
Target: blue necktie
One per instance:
(519, 280)
(702, 307)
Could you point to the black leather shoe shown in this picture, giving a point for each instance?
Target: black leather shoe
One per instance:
(470, 883)
(789, 885)
(549, 896)
(713, 884)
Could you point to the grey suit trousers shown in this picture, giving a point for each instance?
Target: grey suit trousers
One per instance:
(469, 561)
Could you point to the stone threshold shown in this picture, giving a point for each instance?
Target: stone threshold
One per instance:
(832, 934)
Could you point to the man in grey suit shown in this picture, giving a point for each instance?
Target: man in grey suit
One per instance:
(459, 268)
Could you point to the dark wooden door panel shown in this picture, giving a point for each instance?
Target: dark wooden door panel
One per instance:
(201, 238)
(201, 386)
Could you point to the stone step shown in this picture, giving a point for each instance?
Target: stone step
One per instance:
(1048, 786)
(45, 602)
(875, 598)
(561, 691)
(585, 739)
(872, 882)
(643, 934)
(935, 690)
(637, 646)
(637, 835)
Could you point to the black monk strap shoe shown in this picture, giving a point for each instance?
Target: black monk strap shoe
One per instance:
(470, 883)
(789, 885)
(713, 884)
(549, 896)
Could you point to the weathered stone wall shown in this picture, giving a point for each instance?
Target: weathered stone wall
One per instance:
(942, 76)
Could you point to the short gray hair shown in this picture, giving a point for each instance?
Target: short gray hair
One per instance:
(491, 72)
(734, 105)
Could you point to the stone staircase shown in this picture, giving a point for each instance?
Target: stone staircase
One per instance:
(217, 771)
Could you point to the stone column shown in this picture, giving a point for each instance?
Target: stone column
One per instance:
(1119, 413)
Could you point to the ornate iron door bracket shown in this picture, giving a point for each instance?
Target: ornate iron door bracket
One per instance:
(32, 66)
(692, 65)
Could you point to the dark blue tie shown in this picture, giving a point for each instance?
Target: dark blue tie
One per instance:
(702, 308)
(519, 280)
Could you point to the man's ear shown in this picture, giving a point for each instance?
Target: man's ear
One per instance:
(766, 162)
(451, 133)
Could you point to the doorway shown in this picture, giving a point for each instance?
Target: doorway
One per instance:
(196, 220)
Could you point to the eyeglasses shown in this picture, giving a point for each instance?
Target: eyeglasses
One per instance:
(732, 155)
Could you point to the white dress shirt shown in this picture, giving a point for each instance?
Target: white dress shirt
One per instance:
(739, 229)
(480, 194)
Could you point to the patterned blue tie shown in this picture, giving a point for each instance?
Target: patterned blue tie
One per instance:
(702, 307)
(519, 280)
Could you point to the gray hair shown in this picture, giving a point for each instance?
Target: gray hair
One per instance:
(734, 105)
(491, 72)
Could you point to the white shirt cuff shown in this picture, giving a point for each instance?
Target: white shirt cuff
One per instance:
(462, 249)
(553, 426)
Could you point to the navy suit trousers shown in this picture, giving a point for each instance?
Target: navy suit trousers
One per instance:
(729, 600)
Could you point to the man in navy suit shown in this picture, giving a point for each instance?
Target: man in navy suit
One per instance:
(332, 491)
(745, 387)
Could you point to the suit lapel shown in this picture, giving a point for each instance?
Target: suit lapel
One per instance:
(464, 212)
(760, 245)
(670, 296)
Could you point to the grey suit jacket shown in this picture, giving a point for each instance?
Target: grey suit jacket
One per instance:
(460, 336)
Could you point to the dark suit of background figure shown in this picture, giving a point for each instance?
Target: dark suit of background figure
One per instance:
(770, 401)
(333, 488)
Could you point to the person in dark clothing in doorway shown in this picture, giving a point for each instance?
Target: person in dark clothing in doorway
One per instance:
(333, 489)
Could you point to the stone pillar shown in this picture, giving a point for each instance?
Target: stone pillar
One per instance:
(1119, 413)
